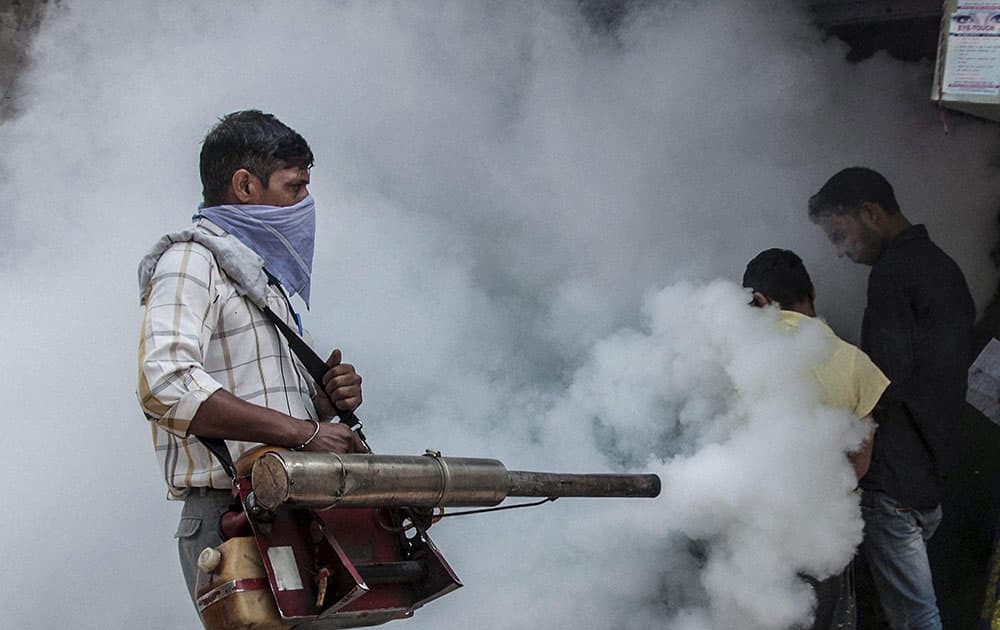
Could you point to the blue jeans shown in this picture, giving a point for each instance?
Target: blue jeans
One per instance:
(896, 550)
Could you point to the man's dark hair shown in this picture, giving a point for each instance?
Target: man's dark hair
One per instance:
(248, 139)
(780, 276)
(848, 190)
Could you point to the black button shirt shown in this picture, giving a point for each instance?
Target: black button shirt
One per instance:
(918, 329)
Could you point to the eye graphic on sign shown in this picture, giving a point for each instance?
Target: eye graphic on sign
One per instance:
(976, 21)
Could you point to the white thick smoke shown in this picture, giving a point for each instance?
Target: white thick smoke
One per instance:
(756, 486)
(500, 189)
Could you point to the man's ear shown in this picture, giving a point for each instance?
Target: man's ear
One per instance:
(759, 299)
(244, 186)
(871, 214)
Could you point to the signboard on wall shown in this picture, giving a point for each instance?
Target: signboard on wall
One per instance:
(967, 75)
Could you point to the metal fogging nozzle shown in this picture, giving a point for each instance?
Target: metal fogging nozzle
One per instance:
(366, 480)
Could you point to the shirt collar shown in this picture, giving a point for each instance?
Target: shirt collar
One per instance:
(791, 318)
(912, 233)
(795, 319)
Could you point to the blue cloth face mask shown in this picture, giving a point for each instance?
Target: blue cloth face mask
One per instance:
(284, 236)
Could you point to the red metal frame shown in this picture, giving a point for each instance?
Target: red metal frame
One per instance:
(333, 548)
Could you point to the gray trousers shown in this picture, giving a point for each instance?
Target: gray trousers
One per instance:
(199, 528)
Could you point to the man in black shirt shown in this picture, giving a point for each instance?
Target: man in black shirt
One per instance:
(917, 328)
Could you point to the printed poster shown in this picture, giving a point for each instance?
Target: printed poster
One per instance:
(972, 58)
(984, 382)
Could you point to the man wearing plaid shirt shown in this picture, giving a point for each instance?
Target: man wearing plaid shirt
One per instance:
(211, 363)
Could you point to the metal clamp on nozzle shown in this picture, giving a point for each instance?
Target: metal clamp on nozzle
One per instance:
(445, 476)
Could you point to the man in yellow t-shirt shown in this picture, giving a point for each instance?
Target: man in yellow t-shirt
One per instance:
(848, 378)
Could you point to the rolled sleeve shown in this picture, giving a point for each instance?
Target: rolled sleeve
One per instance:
(869, 384)
(181, 311)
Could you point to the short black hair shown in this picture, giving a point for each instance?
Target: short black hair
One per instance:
(848, 190)
(248, 139)
(779, 275)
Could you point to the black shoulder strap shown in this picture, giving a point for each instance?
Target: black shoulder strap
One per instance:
(316, 367)
(313, 363)
(218, 448)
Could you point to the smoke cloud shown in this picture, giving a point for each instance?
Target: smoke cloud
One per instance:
(523, 222)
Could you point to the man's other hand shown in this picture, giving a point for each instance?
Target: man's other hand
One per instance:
(342, 384)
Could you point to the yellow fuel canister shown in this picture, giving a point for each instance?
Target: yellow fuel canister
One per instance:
(232, 590)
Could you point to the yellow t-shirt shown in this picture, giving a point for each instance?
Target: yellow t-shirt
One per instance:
(850, 380)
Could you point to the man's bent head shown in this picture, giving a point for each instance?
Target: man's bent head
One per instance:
(779, 276)
(857, 209)
(242, 153)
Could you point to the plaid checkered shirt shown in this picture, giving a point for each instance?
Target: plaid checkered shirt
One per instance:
(201, 333)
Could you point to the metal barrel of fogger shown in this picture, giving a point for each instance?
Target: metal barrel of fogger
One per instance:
(365, 480)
